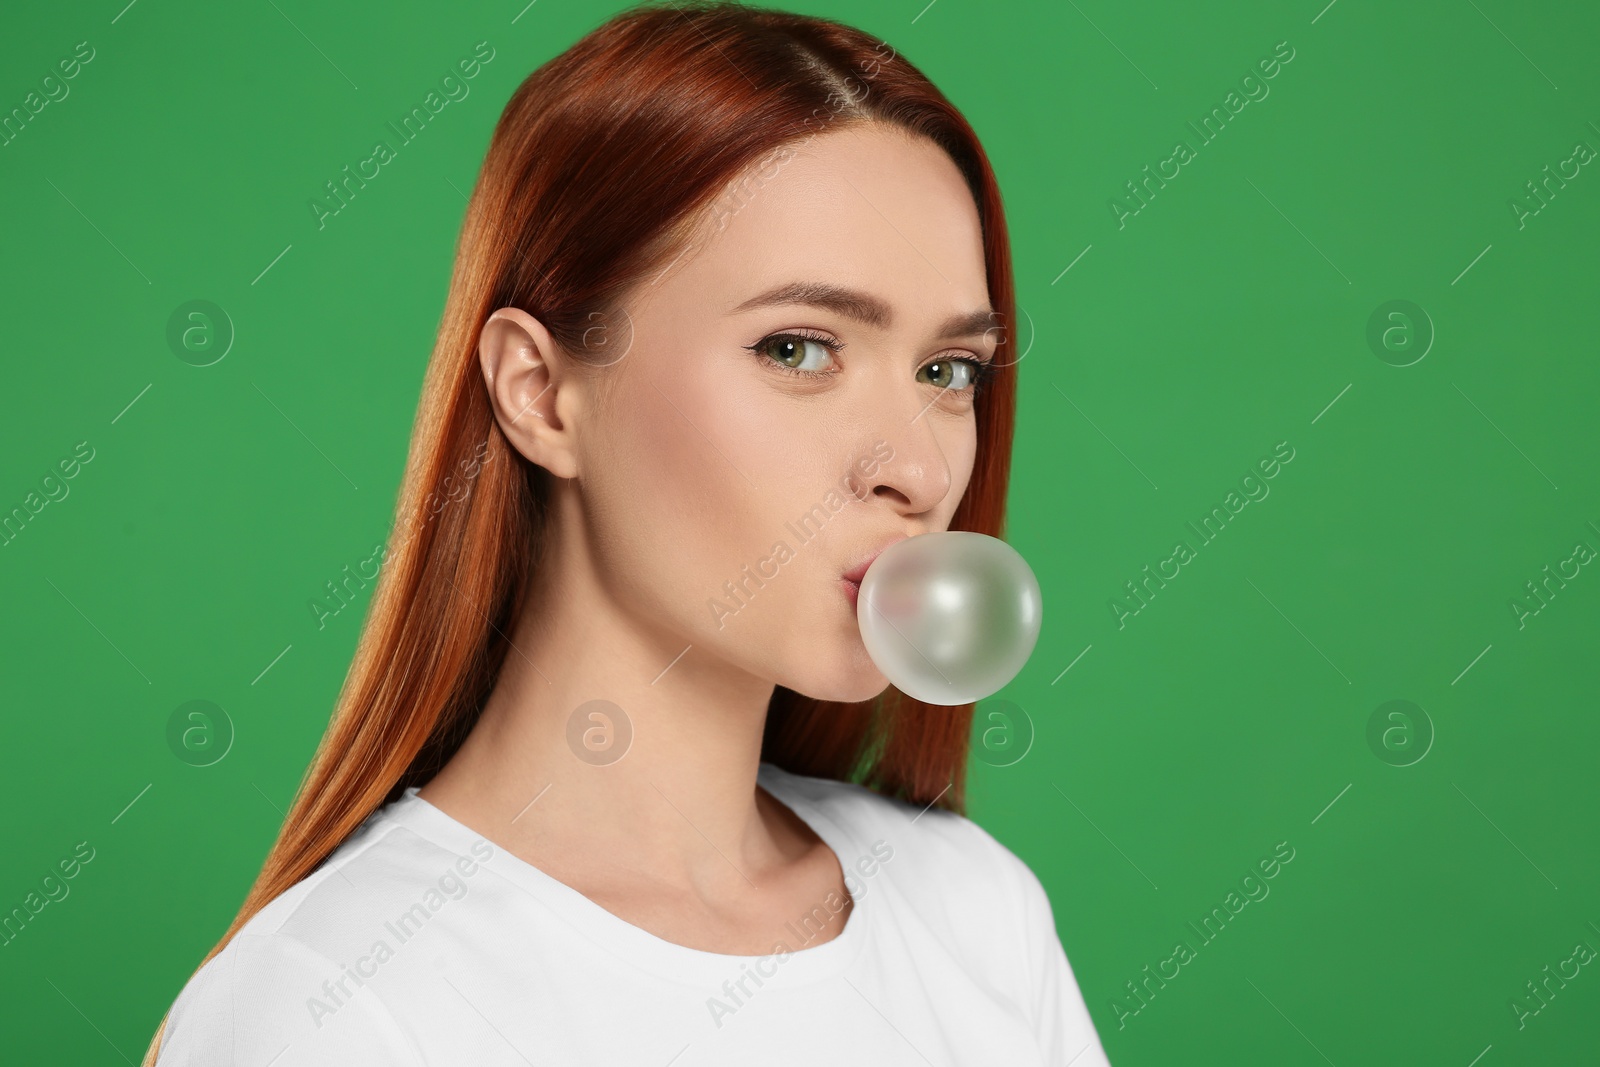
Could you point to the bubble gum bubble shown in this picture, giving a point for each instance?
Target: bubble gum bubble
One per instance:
(949, 617)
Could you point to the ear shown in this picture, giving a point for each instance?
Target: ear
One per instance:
(532, 391)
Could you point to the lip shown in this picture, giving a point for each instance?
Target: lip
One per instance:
(852, 577)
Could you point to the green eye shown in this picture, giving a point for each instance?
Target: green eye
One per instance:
(952, 374)
(800, 353)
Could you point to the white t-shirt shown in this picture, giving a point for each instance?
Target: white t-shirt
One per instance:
(421, 943)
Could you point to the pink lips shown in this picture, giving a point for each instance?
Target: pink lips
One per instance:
(852, 578)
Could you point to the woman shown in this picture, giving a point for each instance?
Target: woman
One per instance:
(612, 779)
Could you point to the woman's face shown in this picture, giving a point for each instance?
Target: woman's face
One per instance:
(796, 395)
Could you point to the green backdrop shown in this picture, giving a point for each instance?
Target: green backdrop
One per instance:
(1379, 261)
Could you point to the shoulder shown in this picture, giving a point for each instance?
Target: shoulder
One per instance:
(263, 997)
(281, 984)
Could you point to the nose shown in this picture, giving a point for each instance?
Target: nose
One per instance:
(913, 473)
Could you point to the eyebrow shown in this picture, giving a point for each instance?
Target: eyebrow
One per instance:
(861, 306)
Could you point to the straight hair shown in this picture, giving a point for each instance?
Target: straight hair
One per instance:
(604, 162)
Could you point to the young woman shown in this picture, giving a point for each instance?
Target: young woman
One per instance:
(612, 779)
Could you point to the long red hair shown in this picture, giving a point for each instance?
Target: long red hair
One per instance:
(600, 166)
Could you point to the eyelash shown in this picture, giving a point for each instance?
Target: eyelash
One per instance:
(980, 373)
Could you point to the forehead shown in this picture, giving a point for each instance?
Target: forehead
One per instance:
(867, 206)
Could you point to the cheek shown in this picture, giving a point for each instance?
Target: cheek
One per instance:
(697, 470)
(969, 443)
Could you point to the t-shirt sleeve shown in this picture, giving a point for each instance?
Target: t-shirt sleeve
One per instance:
(1061, 1018)
(272, 999)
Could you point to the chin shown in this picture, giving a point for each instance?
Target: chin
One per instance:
(838, 667)
(844, 686)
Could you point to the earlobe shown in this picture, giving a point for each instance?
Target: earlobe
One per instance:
(524, 372)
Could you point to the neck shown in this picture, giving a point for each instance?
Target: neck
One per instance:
(607, 735)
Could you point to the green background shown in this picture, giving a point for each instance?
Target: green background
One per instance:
(1231, 313)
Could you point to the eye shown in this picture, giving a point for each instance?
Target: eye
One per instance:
(798, 351)
(955, 375)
